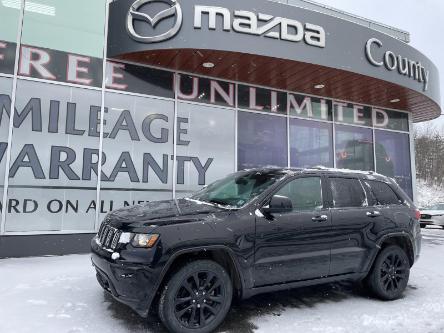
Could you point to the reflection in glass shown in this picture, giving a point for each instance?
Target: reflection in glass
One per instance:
(70, 26)
(393, 158)
(262, 140)
(354, 148)
(305, 193)
(205, 146)
(311, 143)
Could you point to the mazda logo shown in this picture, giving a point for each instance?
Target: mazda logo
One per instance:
(135, 14)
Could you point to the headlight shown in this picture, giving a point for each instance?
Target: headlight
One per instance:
(144, 240)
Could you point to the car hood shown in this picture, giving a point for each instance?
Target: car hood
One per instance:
(159, 213)
(432, 212)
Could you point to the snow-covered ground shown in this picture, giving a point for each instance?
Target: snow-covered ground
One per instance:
(60, 294)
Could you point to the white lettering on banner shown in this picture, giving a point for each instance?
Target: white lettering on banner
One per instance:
(305, 105)
(2, 46)
(74, 69)
(358, 114)
(227, 97)
(406, 67)
(193, 94)
(27, 62)
(252, 100)
(247, 22)
(338, 108)
(112, 76)
(384, 116)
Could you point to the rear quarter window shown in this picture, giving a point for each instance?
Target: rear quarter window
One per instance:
(382, 193)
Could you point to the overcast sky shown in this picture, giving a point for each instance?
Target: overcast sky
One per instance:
(422, 18)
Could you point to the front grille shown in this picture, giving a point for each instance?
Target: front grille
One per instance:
(426, 216)
(108, 236)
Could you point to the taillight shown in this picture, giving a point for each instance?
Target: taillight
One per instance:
(417, 214)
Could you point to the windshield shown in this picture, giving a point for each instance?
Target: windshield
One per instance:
(439, 206)
(239, 188)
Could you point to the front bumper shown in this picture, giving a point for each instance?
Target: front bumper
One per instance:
(132, 284)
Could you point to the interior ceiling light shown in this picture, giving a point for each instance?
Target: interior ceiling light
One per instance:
(208, 64)
(30, 7)
(319, 86)
(395, 100)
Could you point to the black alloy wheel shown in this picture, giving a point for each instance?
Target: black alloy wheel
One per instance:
(196, 298)
(390, 273)
(393, 272)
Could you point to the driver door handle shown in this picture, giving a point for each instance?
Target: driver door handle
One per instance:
(373, 214)
(320, 218)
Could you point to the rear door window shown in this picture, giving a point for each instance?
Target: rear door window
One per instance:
(383, 194)
(347, 192)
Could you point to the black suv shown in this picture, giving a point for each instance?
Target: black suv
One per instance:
(257, 231)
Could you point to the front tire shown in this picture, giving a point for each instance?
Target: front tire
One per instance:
(390, 273)
(196, 298)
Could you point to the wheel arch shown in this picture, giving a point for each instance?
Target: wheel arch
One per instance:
(222, 255)
(402, 240)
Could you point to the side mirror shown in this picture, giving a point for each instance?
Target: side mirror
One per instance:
(278, 205)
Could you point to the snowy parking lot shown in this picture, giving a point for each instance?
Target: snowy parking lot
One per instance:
(60, 294)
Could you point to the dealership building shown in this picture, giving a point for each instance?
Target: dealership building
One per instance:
(105, 104)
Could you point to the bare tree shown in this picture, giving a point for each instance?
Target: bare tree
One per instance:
(429, 147)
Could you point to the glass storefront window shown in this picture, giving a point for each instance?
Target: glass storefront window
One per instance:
(9, 24)
(203, 90)
(393, 157)
(137, 151)
(387, 119)
(353, 114)
(54, 152)
(70, 26)
(5, 109)
(205, 146)
(309, 107)
(10, 14)
(311, 143)
(354, 148)
(263, 100)
(262, 140)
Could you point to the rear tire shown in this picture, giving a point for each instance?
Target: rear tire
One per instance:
(390, 273)
(196, 298)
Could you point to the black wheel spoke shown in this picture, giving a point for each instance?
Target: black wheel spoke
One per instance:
(196, 280)
(211, 309)
(193, 316)
(182, 300)
(210, 277)
(183, 311)
(188, 287)
(202, 317)
(216, 299)
(214, 286)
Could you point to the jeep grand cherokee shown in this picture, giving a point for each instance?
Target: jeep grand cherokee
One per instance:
(257, 231)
